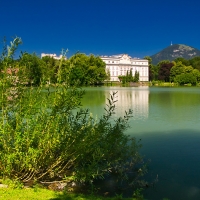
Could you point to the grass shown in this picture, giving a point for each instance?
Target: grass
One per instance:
(44, 194)
(160, 83)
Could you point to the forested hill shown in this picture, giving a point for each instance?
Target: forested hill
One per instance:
(175, 51)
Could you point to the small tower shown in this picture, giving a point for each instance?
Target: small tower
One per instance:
(171, 43)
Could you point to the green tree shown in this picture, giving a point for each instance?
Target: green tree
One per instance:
(131, 76)
(186, 78)
(87, 70)
(78, 69)
(107, 75)
(127, 76)
(195, 62)
(153, 71)
(52, 68)
(98, 74)
(177, 69)
(32, 68)
(196, 73)
(164, 71)
(188, 69)
(136, 76)
(183, 60)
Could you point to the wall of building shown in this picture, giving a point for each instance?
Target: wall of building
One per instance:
(120, 64)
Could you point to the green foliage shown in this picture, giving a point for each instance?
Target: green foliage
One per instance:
(196, 73)
(13, 184)
(8, 52)
(186, 78)
(122, 79)
(174, 71)
(138, 194)
(31, 69)
(87, 70)
(136, 76)
(149, 59)
(129, 77)
(184, 74)
(107, 74)
(46, 136)
(183, 60)
(59, 73)
(195, 62)
(80, 69)
(177, 69)
(153, 72)
(6, 59)
(44, 141)
(51, 65)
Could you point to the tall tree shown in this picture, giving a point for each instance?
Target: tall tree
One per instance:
(196, 73)
(183, 60)
(87, 70)
(137, 76)
(52, 68)
(177, 69)
(152, 69)
(195, 62)
(32, 68)
(164, 71)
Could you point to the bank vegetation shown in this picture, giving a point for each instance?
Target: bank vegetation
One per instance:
(47, 138)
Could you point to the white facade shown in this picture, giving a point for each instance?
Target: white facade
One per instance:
(52, 56)
(120, 64)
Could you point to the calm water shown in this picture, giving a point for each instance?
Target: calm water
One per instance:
(168, 122)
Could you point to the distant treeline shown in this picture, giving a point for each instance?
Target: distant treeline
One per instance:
(79, 69)
(179, 71)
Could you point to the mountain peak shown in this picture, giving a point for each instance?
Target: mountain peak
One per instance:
(175, 51)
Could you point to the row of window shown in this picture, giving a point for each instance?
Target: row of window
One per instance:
(133, 63)
(123, 73)
(126, 68)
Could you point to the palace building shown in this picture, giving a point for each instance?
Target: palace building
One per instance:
(119, 65)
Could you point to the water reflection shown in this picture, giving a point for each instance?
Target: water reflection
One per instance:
(135, 98)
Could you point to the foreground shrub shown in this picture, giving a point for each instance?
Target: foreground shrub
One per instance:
(45, 136)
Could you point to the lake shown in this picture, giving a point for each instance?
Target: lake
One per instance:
(166, 119)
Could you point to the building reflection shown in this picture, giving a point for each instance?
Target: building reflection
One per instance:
(133, 98)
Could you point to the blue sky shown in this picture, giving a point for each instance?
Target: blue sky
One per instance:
(101, 27)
